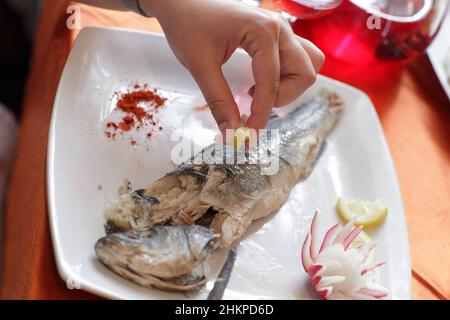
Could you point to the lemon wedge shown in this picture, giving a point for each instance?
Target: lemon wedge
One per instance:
(241, 136)
(368, 214)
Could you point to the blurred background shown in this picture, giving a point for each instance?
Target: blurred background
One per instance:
(17, 26)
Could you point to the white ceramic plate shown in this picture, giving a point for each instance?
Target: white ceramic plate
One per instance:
(439, 54)
(356, 163)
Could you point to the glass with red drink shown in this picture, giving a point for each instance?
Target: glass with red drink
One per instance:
(367, 31)
(307, 9)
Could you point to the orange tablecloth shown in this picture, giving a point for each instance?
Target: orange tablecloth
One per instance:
(415, 116)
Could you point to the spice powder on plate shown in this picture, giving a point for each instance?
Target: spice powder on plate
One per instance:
(135, 114)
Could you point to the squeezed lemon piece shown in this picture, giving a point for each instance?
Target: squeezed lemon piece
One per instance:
(241, 136)
(368, 214)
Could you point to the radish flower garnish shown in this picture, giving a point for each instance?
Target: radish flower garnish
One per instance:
(338, 270)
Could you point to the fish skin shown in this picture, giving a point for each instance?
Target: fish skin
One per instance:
(162, 257)
(246, 196)
(238, 192)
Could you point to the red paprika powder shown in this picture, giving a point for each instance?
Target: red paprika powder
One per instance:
(139, 107)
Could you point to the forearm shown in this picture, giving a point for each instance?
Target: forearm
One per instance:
(148, 7)
(118, 5)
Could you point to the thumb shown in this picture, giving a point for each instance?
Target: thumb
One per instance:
(218, 95)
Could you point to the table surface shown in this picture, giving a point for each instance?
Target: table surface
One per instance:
(414, 112)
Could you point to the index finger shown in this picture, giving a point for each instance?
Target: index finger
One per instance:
(218, 95)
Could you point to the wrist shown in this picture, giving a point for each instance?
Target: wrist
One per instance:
(153, 7)
(146, 13)
(161, 8)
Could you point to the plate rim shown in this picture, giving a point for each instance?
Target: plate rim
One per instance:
(67, 273)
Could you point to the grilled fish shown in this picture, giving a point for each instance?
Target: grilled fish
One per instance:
(227, 196)
(168, 257)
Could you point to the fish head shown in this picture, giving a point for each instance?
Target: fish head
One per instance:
(167, 257)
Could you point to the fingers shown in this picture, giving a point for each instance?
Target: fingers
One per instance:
(262, 46)
(283, 65)
(300, 62)
(298, 73)
(315, 54)
(218, 95)
(266, 71)
(283, 69)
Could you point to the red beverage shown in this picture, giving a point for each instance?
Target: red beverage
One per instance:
(363, 32)
(308, 9)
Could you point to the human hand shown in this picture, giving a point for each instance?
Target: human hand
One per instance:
(204, 34)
